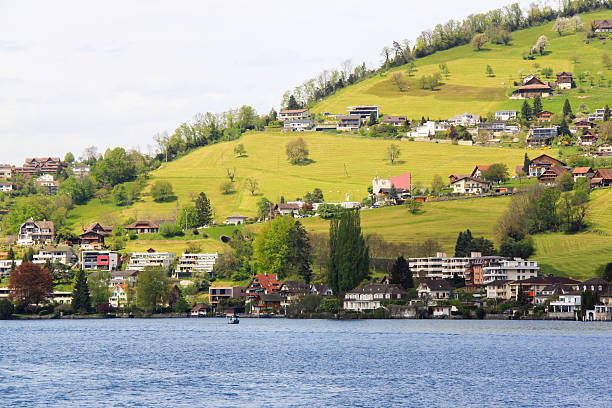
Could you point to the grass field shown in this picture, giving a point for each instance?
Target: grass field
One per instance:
(575, 255)
(341, 165)
(469, 89)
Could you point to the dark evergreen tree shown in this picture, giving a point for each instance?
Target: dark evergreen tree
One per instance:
(393, 195)
(567, 110)
(300, 252)
(482, 245)
(606, 115)
(537, 104)
(463, 243)
(80, 295)
(292, 103)
(526, 163)
(28, 256)
(11, 254)
(401, 274)
(204, 210)
(349, 261)
(563, 128)
(521, 296)
(372, 120)
(526, 112)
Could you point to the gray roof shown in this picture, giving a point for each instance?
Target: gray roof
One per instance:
(379, 288)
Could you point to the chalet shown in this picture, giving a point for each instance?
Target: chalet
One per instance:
(267, 303)
(36, 232)
(597, 115)
(6, 186)
(602, 26)
(549, 177)
(81, 170)
(292, 292)
(287, 209)
(544, 116)
(293, 114)
(142, 227)
(297, 125)
(435, 289)
(540, 136)
(33, 166)
(471, 185)
(200, 310)
(584, 124)
(320, 289)
(454, 177)
(506, 115)
(589, 138)
(466, 119)
(262, 283)
(188, 264)
(348, 122)
(542, 163)
(604, 149)
(587, 172)
(397, 121)
(532, 86)
(100, 260)
(369, 297)
(94, 234)
(6, 171)
(478, 170)
(236, 219)
(564, 80)
(602, 178)
(363, 111)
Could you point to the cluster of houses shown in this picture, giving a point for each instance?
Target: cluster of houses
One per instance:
(43, 169)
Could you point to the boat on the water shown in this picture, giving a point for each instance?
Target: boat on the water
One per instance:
(233, 320)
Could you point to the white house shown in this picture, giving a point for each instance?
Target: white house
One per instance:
(6, 186)
(6, 171)
(118, 297)
(99, 260)
(369, 297)
(6, 265)
(506, 115)
(35, 232)
(140, 260)
(466, 119)
(434, 289)
(61, 254)
(297, 125)
(236, 219)
(510, 269)
(81, 170)
(567, 303)
(597, 115)
(470, 185)
(288, 114)
(189, 263)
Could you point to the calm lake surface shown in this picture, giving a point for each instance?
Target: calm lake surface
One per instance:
(285, 363)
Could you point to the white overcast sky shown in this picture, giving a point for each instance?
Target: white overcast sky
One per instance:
(113, 73)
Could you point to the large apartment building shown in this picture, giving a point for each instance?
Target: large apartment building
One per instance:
(510, 269)
(364, 111)
(191, 263)
(140, 260)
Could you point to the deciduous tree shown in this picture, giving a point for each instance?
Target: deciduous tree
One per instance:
(153, 288)
(204, 209)
(393, 152)
(478, 41)
(161, 191)
(30, 284)
(297, 151)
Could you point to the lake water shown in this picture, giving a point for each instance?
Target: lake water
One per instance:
(315, 363)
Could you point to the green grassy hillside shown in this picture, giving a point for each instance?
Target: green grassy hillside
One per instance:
(575, 255)
(341, 165)
(469, 89)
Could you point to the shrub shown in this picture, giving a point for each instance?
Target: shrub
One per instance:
(6, 309)
(104, 308)
(330, 305)
(64, 308)
(169, 230)
(162, 191)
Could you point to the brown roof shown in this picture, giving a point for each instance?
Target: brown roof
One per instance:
(498, 282)
(394, 119)
(140, 224)
(605, 174)
(476, 179)
(581, 170)
(293, 110)
(378, 288)
(283, 206)
(534, 87)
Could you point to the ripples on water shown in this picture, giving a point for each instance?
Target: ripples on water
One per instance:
(316, 363)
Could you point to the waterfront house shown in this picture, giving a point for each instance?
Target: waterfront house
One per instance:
(35, 232)
(200, 310)
(262, 283)
(369, 297)
(142, 227)
(292, 292)
(441, 311)
(320, 289)
(218, 293)
(119, 295)
(434, 289)
(498, 289)
(267, 303)
(567, 303)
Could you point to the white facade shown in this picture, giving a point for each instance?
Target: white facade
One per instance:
(298, 125)
(6, 186)
(293, 114)
(6, 171)
(425, 130)
(6, 265)
(43, 258)
(99, 260)
(597, 115)
(467, 119)
(506, 115)
(141, 260)
(235, 219)
(516, 269)
(469, 185)
(566, 303)
(366, 301)
(190, 263)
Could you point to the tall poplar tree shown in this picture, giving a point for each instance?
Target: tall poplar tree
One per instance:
(537, 104)
(205, 213)
(80, 295)
(349, 260)
(526, 163)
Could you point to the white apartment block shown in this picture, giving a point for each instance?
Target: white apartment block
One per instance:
(141, 260)
(506, 115)
(6, 265)
(190, 263)
(514, 269)
(439, 267)
(99, 260)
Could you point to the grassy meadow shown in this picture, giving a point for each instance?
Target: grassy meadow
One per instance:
(340, 165)
(469, 89)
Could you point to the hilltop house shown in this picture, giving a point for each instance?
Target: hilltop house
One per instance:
(564, 80)
(532, 86)
(397, 121)
(583, 172)
(35, 232)
(602, 26)
(470, 185)
(236, 219)
(541, 136)
(288, 114)
(506, 115)
(100, 260)
(549, 177)
(369, 297)
(363, 111)
(435, 289)
(602, 178)
(542, 163)
(94, 234)
(81, 170)
(142, 227)
(348, 122)
(47, 184)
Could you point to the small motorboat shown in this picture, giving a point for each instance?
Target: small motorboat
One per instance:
(233, 320)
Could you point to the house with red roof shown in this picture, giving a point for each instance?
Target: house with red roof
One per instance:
(532, 87)
(263, 283)
(402, 184)
(479, 169)
(542, 163)
(142, 227)
(582, 172)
